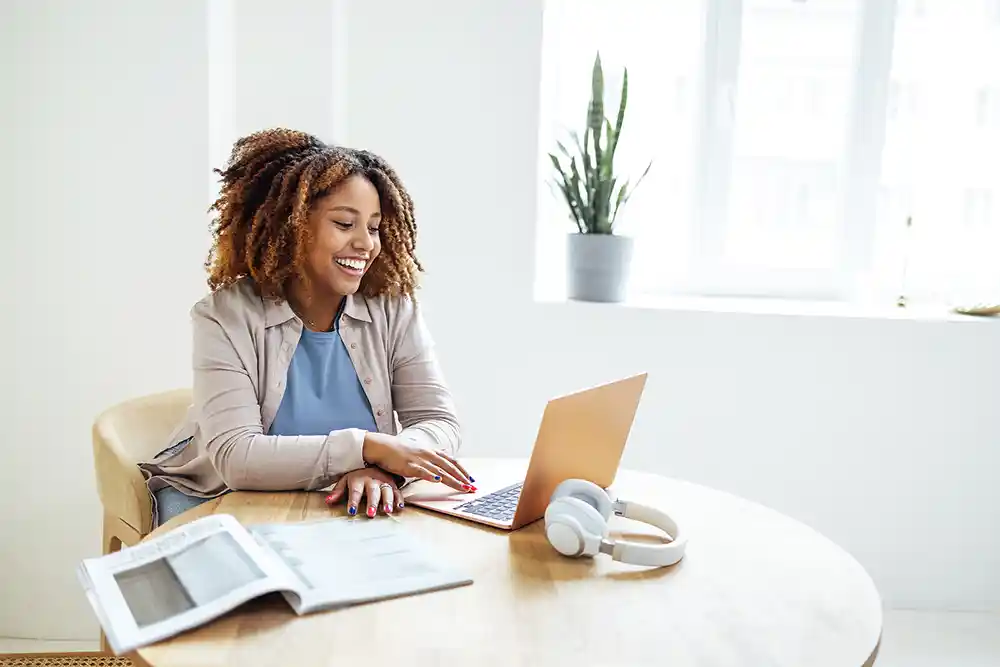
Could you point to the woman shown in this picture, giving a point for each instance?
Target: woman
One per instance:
(310, 344)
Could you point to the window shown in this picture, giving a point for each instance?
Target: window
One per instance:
(791, 141)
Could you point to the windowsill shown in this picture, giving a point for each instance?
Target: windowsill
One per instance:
(782, 307)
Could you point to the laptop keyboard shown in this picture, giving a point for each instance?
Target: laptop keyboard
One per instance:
(499, 505)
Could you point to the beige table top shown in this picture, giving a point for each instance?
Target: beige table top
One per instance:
(755, 588)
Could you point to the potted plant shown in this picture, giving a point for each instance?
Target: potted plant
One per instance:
(598, 260)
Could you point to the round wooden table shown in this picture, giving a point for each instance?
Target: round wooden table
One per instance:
(755, 588)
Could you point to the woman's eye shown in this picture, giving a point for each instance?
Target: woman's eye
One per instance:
(343, 225)
(373, 231)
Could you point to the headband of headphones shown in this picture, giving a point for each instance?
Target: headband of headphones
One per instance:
(576, 524)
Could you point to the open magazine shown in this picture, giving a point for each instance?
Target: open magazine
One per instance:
(200, 571)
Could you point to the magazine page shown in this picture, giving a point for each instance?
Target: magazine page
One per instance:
(348, 561)
(178, 581)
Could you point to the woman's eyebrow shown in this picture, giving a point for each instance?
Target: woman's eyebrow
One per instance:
(351, 209)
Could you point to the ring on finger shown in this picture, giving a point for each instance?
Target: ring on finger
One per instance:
(387, 497)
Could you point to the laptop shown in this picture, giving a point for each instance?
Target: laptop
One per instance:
(582, 436)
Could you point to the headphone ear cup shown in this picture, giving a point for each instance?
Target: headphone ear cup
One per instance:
(564, 534)
(574, 528)
(586, 491)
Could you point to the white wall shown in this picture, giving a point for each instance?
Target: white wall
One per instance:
(105, 185)
(880, 433)
(283, 69)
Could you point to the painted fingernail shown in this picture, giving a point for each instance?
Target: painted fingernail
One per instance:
(437, 478)
(388, 508)
(466, 487)
(329, 499)
(400, 505)
(371, 512)
(352, 510)
(471, 478)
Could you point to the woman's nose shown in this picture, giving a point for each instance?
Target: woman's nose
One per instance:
(363, 240)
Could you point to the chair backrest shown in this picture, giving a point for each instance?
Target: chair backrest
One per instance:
(126, 434)
(142, 425)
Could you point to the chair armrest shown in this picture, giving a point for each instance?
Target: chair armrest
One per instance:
(120, 485)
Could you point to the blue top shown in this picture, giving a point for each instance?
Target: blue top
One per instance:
(322, 392)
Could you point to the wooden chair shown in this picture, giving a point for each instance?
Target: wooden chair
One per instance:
(124, 435)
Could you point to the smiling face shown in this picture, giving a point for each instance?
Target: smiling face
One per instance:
(344, 227)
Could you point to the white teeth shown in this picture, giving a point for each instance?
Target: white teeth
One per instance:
(356, 264)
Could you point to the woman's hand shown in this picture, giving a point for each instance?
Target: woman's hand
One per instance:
(378, 486)
(397, 456)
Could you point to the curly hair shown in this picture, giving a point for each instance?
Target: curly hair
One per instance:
(261, 229)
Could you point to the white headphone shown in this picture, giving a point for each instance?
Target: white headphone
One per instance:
(576, 524)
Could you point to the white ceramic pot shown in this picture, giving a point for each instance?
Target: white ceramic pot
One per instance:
(598, 267)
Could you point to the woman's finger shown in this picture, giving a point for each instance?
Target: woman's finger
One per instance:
(419, 471)
(446, 478)
(374, 494)
(357, 486)
(338, 490)
(398, 493)
(387, 497)
(458, 465)
(452, 469)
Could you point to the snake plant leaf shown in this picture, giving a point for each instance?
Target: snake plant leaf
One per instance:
(625, 194)
(619, 200)
(575, 211)
(557, 164)
(621, 111)
(575, 182)
(607, 204)
(559, 168)
(565, 186)
(554, 188)
(584, 149)
(645, 171)
(588, 171)
(607, 168)
(562, 149)
(595, 116)
(602, 207)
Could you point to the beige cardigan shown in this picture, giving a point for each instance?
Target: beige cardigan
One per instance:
(242, 348)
